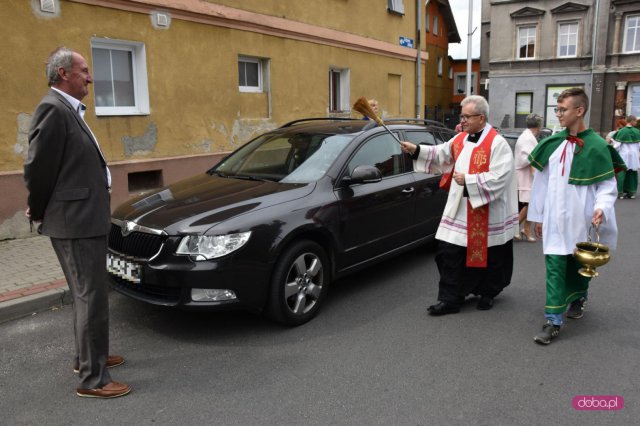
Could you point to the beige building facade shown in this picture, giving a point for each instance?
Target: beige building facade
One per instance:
(179, 84)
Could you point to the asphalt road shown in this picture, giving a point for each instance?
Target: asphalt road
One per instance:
(372, 356)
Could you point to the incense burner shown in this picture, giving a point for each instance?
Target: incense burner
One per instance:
(591, 255)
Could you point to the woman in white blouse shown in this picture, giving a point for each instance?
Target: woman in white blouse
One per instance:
(524, 172)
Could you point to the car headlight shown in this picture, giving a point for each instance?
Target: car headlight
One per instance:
(205, 247)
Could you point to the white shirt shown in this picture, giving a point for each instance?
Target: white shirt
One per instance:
(565, 210)
(630, 153)
(81, 109)
(497, 187)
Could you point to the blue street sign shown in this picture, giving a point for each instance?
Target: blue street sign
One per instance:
(406, 42)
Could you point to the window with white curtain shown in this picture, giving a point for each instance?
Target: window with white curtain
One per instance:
(250, 74)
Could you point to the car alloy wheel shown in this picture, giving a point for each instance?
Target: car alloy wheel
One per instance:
(299, 284)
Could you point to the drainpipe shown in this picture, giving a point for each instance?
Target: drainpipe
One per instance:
(418, 55)
(593, 55)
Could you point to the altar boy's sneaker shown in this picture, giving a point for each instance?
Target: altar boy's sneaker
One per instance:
(548, 333)
(576, 308)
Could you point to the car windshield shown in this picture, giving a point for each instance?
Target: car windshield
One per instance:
(286, 158)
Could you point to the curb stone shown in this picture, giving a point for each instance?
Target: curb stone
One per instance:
(34, 303)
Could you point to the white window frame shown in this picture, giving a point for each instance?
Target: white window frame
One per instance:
(435, 25)
(440, 61)
(344, 92)
(139, 72)
(567, 37)
(450, 72)
(535, 41)
(253, 89)
(634, 49)
(396, 6)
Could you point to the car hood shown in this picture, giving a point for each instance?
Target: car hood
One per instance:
(198, 203)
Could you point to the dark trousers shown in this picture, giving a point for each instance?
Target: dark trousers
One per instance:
(457, 280)
(83, 262)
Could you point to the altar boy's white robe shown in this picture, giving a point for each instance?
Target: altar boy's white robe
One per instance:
(565, 210)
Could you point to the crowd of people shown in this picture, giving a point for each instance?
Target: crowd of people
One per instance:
(555, 190)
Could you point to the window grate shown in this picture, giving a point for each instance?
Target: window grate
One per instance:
(48, 6)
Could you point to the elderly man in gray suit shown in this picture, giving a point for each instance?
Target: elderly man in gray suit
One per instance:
(69, 182)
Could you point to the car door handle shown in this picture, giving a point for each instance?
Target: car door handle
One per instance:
(408, 190)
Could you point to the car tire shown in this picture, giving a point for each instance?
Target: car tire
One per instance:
(299, 283)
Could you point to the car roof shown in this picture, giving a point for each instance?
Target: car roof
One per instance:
(326, 126)
(350, 125)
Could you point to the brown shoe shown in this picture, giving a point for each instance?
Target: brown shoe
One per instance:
(110, 390)
(112, 361)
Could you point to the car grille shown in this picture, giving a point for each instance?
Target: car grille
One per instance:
(148, 293)
(138, 245)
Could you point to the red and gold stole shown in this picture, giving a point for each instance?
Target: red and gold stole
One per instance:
(478, 219)
(456, 148)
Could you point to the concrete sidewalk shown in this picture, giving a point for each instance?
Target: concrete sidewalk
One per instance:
(31, 279)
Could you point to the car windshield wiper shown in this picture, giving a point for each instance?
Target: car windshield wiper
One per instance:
(217, 173)
(249, 177)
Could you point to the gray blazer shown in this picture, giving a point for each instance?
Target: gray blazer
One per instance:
(65, 173)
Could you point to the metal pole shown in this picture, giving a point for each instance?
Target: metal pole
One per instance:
(469, 39)
(418, 56)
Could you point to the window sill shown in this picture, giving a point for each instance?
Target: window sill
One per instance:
(244, 89)
(114, 113)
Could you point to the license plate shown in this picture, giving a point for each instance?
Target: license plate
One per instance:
(123, 268)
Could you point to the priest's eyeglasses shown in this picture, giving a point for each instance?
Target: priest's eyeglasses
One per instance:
(467, 117)
(561, 111)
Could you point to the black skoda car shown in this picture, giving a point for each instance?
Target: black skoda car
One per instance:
(275, 222)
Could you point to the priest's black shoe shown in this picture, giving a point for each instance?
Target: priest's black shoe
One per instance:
(485, 303)
(441, 308)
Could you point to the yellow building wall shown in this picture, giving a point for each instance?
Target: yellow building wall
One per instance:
(369, 18)
(195, 103)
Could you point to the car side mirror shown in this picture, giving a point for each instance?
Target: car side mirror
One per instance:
(363, 174)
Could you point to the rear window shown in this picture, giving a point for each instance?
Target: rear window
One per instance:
(444, 136)
(420, 137)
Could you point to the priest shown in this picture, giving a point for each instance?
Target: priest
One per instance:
(480, 219)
